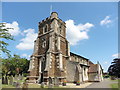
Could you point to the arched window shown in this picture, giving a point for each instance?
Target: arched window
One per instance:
(43, 43)
(60, 31)
(45, 29)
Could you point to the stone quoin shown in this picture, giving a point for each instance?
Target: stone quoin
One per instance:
(53, 63)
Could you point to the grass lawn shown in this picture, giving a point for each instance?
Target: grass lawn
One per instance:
(7, 86)
(114, 85)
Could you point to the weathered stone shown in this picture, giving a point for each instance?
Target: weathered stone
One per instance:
(52, 57)
(6, 80)
(42, 85)
(3, 80)
(11, 80)
(25, 86)
(20, 77)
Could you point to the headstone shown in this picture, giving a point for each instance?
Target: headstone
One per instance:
(14, 84)
(25, 86)
(42, 85)
(16, 77)
(56, 82)
(11, 80)
(6, 80)
(17, 85)
(50, 84)
(20, 77)
(3, 80)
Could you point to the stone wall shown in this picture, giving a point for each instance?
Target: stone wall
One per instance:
(72, 72)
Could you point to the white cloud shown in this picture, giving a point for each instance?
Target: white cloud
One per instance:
(105, 62)
(105, 21)
(25, 56)
(15, 30)
(76, 33)
(27, 43)
(117, 55)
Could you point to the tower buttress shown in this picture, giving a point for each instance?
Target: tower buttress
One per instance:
(50, 51)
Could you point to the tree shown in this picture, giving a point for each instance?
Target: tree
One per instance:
(4, 34)
(14, 65)
(114, 69)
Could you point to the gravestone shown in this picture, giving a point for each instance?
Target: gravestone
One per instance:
(20, 77)
(11, 80)
(16, 78)
(25, 86)
(17, 85)
(6, 80)
(42, 85)
(3, 80)
(50, 82)
(56, 82)
(14, 84)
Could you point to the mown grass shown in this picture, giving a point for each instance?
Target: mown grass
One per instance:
(7, 86)
(114, 85)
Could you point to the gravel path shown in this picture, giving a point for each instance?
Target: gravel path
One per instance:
(103, 84)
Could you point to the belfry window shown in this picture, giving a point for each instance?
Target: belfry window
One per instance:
(60, 31)
(45, 29)
(43, 43)
(60, 27)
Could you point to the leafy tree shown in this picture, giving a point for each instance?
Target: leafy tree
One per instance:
(114, 69)
(4, 34)
(15, 65)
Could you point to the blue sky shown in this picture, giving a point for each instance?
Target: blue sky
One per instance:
(98, 21)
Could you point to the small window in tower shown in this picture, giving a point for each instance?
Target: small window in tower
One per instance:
(60, 31)
(45, 29)
(43, 43)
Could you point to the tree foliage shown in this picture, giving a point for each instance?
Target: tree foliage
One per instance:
(14, 65)
(4, 34)
(114, 69)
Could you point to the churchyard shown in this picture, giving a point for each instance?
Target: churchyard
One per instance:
(13, 82)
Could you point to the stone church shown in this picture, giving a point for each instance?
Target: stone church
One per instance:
(52, 60)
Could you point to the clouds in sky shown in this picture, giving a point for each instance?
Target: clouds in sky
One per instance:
(27, 42)
(25, 55)
(14, 28)
(116, 55)
(105, 21)
(76, 33)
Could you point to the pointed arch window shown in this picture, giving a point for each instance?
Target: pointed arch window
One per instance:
(43, 43)
(45, 29)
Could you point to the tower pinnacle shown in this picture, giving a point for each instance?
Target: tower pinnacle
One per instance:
(54, 15)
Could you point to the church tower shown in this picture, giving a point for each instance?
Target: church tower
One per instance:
(51, 51)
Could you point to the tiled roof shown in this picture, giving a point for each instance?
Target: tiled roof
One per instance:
(93, 68)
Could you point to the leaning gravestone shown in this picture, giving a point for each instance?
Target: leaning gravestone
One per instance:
(11, 80)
